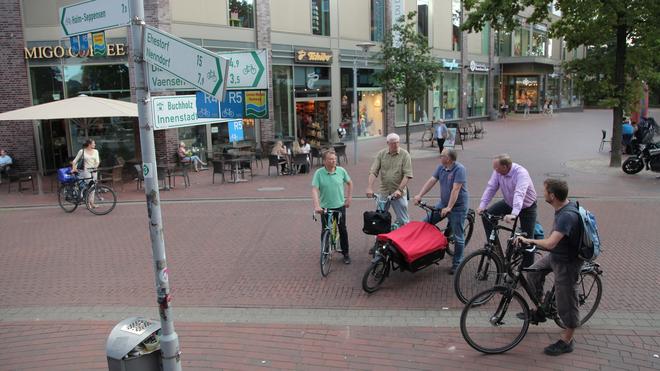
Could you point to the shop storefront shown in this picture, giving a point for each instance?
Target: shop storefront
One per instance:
(477, 89)
(370, 103)
(446, 104)
(58, 72)
(312, 95)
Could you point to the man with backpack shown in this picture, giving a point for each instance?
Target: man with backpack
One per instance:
(563, 243)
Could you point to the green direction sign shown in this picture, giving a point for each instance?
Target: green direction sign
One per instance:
(247, 70)
(94, 15)
(198, 66)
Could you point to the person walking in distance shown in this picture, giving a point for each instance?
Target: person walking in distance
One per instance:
(394, 166)
(563, 244)
(519, 198)
(332, 189)
(441, 134)
(453, 199)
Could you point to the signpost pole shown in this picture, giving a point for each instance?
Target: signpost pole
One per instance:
(169, 340)
(356, 109)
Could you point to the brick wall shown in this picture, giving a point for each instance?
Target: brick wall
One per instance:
(16, 137)
(263, 30)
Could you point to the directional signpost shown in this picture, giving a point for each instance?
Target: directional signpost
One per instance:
(94, 15)
(177, 111)
(198, 66)
(246, 71)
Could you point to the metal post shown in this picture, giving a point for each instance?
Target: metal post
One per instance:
(169, 340)
(356, 109)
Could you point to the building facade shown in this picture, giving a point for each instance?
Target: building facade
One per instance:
(312, 51)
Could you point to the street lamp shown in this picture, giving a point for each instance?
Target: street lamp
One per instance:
(356, 107)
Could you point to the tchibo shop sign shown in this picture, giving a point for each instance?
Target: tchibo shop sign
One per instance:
(48, 52)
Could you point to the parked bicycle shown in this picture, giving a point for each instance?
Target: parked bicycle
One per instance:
(483, 268)
(99, 199)
(329, 239)
(496, 320)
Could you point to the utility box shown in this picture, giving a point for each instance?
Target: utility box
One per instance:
(134, 345)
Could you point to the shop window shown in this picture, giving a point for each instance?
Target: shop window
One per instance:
(110, 81)
(485, 39)
(283, 101)
(195, 139)
(478, 95)
(377, 20)
(46, 84)
(526, 88)
(313, 119)
(450, 97)
(416, 111)
(312, 81)
(503, 43)
(321, 17)
(115, 137)
(456, 24)
(241, 13)
(539, 41)
(423, 17)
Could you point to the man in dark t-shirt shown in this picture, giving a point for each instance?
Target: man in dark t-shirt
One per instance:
(563, 244)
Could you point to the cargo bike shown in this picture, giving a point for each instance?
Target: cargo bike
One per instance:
(411, 247)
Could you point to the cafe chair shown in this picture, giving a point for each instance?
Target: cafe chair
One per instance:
(300, 161)
(218, 168)
(315, 153)
(274, 161)
(113, 177)
(603, 140)
(20, 177)
(182, 170)
(340, 151)
(139, 176)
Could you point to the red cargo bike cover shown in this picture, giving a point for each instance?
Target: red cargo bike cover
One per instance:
(416, 239)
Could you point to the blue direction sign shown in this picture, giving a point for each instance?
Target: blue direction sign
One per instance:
(232, 106)
(235, 130)
(207, 105)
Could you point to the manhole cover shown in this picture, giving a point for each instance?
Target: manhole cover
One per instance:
(270, 189)
(556, 175)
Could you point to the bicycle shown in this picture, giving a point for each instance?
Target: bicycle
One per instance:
(483, 268)
(496, 320)
(98, 198)
(329, 239)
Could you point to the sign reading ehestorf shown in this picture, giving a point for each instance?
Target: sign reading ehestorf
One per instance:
(198, 66)
(94, 15)
(177, 111)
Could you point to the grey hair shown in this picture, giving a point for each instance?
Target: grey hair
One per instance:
(453, 155)
(503, 159)
(393, 137)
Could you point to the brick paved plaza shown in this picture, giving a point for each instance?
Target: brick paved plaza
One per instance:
(247, 290)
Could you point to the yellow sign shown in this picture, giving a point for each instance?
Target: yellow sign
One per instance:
(313, 56)
(98, 41)
(256, 104)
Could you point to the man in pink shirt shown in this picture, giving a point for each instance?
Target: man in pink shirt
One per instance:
(519, 198)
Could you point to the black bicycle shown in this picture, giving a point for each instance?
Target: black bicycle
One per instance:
(98, 198)
(483, 268)
(496, 320)
(330, 241)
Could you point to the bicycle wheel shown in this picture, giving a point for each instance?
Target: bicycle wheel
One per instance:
(479, 271)
(101, 199)
(490, 322)
(375, 275)
(326, 254)
(468, 227)
(67, 197)
(590, 291)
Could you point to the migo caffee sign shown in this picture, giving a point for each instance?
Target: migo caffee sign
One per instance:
(48, 52)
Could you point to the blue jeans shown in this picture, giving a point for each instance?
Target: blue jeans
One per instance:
(456, 222)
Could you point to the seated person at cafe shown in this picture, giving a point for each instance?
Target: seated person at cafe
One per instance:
(302, 147)
(187, 156)
(5, 161)
(279, 150)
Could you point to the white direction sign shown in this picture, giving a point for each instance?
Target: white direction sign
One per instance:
(246, 71)
(94, 15)
(198, 66)
(177, 111)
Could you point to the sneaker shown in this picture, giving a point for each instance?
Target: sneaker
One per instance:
(534, 317)
(560, 347)
(347, 259)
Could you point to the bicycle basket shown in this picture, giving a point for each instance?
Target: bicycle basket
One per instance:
(65, 176)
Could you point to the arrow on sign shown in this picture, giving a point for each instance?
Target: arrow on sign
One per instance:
(246, 70)
(198, 66)
(94, 15)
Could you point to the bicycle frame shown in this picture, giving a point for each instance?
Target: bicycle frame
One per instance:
(493, 243)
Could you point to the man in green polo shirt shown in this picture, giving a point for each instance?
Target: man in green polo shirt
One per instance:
(394, 166)
(328, 186)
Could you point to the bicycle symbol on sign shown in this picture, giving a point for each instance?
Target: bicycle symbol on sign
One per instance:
(249, 70)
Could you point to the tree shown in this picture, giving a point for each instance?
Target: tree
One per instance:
(606, 28)
(410, 70)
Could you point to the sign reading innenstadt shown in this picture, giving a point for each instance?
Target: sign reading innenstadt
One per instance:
(177, 111)
(200, 67)
(246, 71)
(94, 15)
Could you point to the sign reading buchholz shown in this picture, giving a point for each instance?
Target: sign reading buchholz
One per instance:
(94, 15)
(198, 66)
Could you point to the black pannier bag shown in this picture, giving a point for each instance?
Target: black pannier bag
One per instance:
(376, 222)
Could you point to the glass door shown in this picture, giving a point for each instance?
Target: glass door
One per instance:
(313, 121)
(370, 122)
(55, 152)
